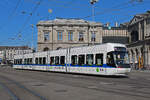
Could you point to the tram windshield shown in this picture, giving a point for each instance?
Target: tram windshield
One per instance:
(118, 58)
(121, 58)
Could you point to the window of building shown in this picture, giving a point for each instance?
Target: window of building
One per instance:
(93, 36)
(62, 60)
(81, 36)
(57, 60)
(70, 36)
(59, 35)
(134, 36)
(52, 62)
(99, 59)
(46, 36)
(81, 59)
(74, 60)
(148, 21)
(89, 59)
(46, 49)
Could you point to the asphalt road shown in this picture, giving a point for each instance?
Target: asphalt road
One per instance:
(36, 85)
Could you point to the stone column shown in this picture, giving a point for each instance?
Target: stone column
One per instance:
(133, 58)
(145, 29)
(146, 57)
(136, 60)
(140, 33)
(149, 58)
(129, 36)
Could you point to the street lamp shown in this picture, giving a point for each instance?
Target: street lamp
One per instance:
(32, 46)
(93, 2)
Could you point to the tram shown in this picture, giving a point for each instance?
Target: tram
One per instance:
(103, 59)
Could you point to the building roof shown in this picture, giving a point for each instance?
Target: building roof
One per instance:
(14, 47)
(68, 21)
(139, 17)
(144, 15)
(136, 18)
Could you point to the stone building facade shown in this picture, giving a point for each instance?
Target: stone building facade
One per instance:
(139, 40)
(115, 35)
(7, 52)
(64, 33)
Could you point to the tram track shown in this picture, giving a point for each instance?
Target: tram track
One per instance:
(17, 91)
(11, 94)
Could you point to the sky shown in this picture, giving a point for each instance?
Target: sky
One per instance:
(18, 16)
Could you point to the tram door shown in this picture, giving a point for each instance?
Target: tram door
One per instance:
(67, 60)
(99, 63)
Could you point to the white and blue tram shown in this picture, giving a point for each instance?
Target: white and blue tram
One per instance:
(103, 59)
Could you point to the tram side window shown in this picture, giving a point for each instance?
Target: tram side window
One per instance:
(44, 60)
(99, 59)
(15, 61)
(57, 60)
(62, 60)
(40, 60)
(20, 61)
(110, 59)
(25, 61)
(30, 60)
(36, 60)
(81, 60)
(74, 60)
(89, 59)
(52, 61)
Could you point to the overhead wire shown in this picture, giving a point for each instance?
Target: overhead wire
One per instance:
(126, 15)
(31, 14)
(106, 10)
(109, 10)
(62, 6)
(11, 15)
(19, 33)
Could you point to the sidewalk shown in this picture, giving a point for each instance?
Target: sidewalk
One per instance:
(142, 71)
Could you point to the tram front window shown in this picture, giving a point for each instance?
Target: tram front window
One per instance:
(121, 58)
(118, 59)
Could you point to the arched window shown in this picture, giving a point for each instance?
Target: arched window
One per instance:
(46, 49)
(134, 36)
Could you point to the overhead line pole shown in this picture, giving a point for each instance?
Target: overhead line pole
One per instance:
(93, 14)
(32, 46)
